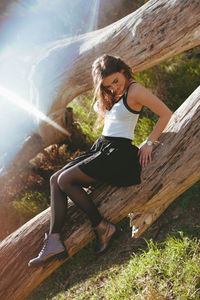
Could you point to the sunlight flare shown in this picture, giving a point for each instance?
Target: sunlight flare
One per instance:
(20, 102)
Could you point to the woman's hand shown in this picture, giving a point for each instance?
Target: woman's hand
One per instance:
(145, 155)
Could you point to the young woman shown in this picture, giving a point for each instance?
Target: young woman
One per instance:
(112, 158)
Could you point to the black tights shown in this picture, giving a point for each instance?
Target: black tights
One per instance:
(69, 183)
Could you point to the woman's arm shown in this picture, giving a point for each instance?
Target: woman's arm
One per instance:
(139, 96)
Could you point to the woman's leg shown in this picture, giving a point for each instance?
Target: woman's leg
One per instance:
(58, 205)
(70, 182)
(53, 246)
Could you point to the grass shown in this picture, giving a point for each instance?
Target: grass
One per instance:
(29, 205)
(168, 270)
(162, 264)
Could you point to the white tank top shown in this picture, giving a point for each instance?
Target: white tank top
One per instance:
(121, 120)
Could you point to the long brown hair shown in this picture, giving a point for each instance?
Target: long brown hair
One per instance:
(102, 67)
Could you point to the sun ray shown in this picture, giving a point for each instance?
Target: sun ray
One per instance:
(20, 102)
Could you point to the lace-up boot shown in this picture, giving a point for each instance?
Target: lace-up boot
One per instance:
(104, 232)
(53, 249)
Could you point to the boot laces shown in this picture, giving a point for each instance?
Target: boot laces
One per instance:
(46, 240)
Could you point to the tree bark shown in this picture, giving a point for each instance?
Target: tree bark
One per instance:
(175, 167)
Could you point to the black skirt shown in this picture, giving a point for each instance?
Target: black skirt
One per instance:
(111, 160)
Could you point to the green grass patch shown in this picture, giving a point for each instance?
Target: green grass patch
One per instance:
(169, 270)
(86, 117)
(143, 128)
(29, 205)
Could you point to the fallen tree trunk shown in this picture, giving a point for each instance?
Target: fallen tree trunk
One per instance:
(175, 167)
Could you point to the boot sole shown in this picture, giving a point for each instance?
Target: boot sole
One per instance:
(60, 256)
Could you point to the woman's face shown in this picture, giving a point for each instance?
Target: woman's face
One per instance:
(116, 83)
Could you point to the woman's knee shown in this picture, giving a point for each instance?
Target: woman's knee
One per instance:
(54, 178)
(63, 181)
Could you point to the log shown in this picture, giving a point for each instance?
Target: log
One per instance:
(175, 167)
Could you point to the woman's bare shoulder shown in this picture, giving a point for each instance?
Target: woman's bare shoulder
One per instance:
(135, 88)
(139, 93)
(134, 91)
(141, 96)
